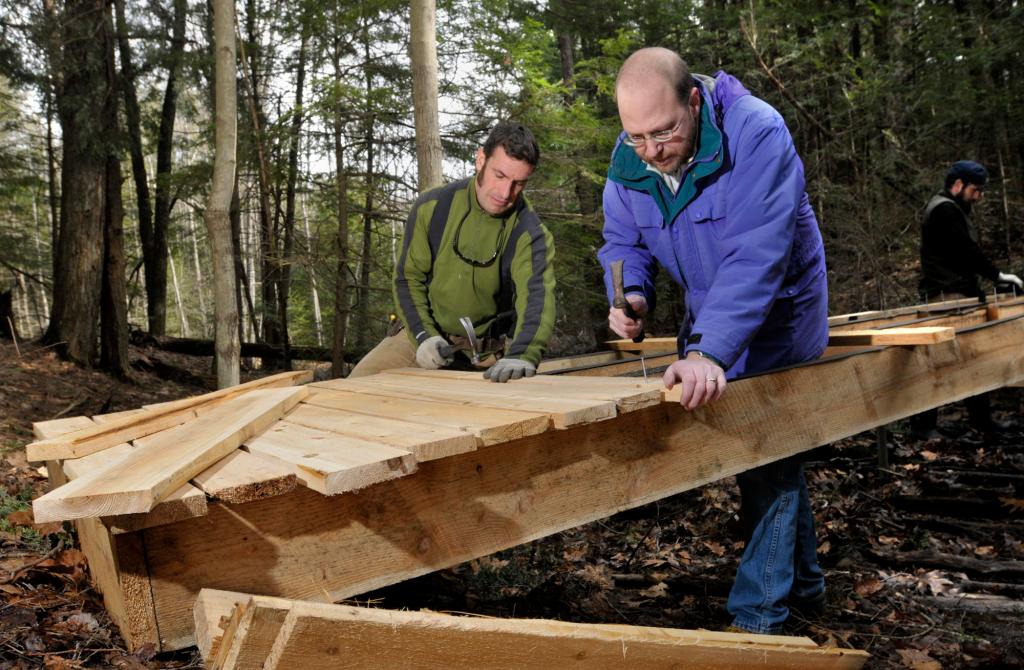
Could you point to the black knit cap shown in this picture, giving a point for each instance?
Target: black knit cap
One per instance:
(969, 172)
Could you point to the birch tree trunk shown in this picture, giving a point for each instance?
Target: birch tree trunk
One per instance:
(423, 55)
(217, 215)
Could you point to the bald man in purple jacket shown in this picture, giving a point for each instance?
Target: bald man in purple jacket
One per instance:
(705, 182)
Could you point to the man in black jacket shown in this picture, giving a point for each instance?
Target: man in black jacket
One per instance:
(951, 262)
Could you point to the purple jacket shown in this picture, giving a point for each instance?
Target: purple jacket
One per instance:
(739, 235)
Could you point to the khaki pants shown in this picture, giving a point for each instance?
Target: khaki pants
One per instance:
(394, 351)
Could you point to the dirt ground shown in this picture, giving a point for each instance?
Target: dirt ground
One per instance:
(924, 558)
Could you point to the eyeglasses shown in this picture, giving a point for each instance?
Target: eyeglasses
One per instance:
(458, 231)
(659, 137)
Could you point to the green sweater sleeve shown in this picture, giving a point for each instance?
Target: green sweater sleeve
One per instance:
(533, 275)
(413, 269)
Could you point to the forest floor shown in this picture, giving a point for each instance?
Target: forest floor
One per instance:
(924, 559)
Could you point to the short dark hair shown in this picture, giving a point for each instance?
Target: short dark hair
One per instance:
(517, 141)
(968, 172)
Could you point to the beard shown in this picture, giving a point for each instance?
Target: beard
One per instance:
(963, 204)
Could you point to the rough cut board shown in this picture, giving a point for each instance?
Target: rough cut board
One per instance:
(279, 634)
(149, 473)
(490, 425)
(135, 424)
(628, 395)
(426, 442)
(892, 336)
(331, 463)
(184, 503)
(564, 410)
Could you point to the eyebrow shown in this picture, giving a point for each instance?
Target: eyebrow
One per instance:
(502, 175)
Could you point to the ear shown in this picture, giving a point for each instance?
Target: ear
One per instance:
(481, 160)
(957, 186)
(695, 98)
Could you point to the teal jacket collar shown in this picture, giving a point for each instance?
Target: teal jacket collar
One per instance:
(629, 170)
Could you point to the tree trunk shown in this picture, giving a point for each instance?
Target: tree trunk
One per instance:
(114, 315)
(156, 288)
(311, 270)
(193, 237)
(269, 260)
(423, 55)
(165, 162)
(364, 333)
(114, 300)
(218, 221)
(79, 272)
(288, 225)
(341, 240)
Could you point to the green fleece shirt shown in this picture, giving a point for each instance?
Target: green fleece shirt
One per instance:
(434, 287)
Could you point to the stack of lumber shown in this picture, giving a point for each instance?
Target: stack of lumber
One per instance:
(157, 465)
(236, 631)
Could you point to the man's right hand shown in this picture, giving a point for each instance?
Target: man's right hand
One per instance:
(624, 326)
(434, 353)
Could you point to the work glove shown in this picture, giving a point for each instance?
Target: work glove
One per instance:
(509, 368)
(434, 353)
(1012, 279)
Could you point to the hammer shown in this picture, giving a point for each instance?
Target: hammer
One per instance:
(619, 301)
(472, 343)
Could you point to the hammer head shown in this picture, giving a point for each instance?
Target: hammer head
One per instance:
(474, 343)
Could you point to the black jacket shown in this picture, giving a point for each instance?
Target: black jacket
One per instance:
(951, 258)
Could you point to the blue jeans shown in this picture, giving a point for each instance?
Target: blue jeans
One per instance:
(780, 563)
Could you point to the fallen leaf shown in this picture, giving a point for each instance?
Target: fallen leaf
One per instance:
(657, 591)
(715, 548)
(1013, 503)
(22, 517)
(825, 547)
(915, 659)
(928, 455)
(987, 550)
(886, 540)
(866, 587)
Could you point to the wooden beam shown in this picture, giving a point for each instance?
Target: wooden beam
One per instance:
(149, 474)
(892, 336)
(650, 344)
(277, 633)
(330, 463)
(139, 424)
(212, 611)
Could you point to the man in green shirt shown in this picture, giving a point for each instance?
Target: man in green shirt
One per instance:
(475, 248)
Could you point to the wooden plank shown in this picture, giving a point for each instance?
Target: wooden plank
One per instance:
(212, 611)
(945, 305)
(330, 463)
(44, 430)
(650, 344)
(892, 336)
(241, 477)
(276, 633)
(474, 504)
(489, 424)
(125, 428)
(148, 474)
(425, 442)
(628, 394)
(630, 365)
(564, 411)
(186, 502)
(249, 640)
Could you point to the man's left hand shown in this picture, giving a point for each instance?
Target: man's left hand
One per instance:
(509, 368)
(703, 382)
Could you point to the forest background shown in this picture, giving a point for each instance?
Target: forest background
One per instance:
(880, 98)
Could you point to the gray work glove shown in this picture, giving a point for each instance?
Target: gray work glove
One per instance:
(1012, 279)
(434, 353)
(509, 368)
